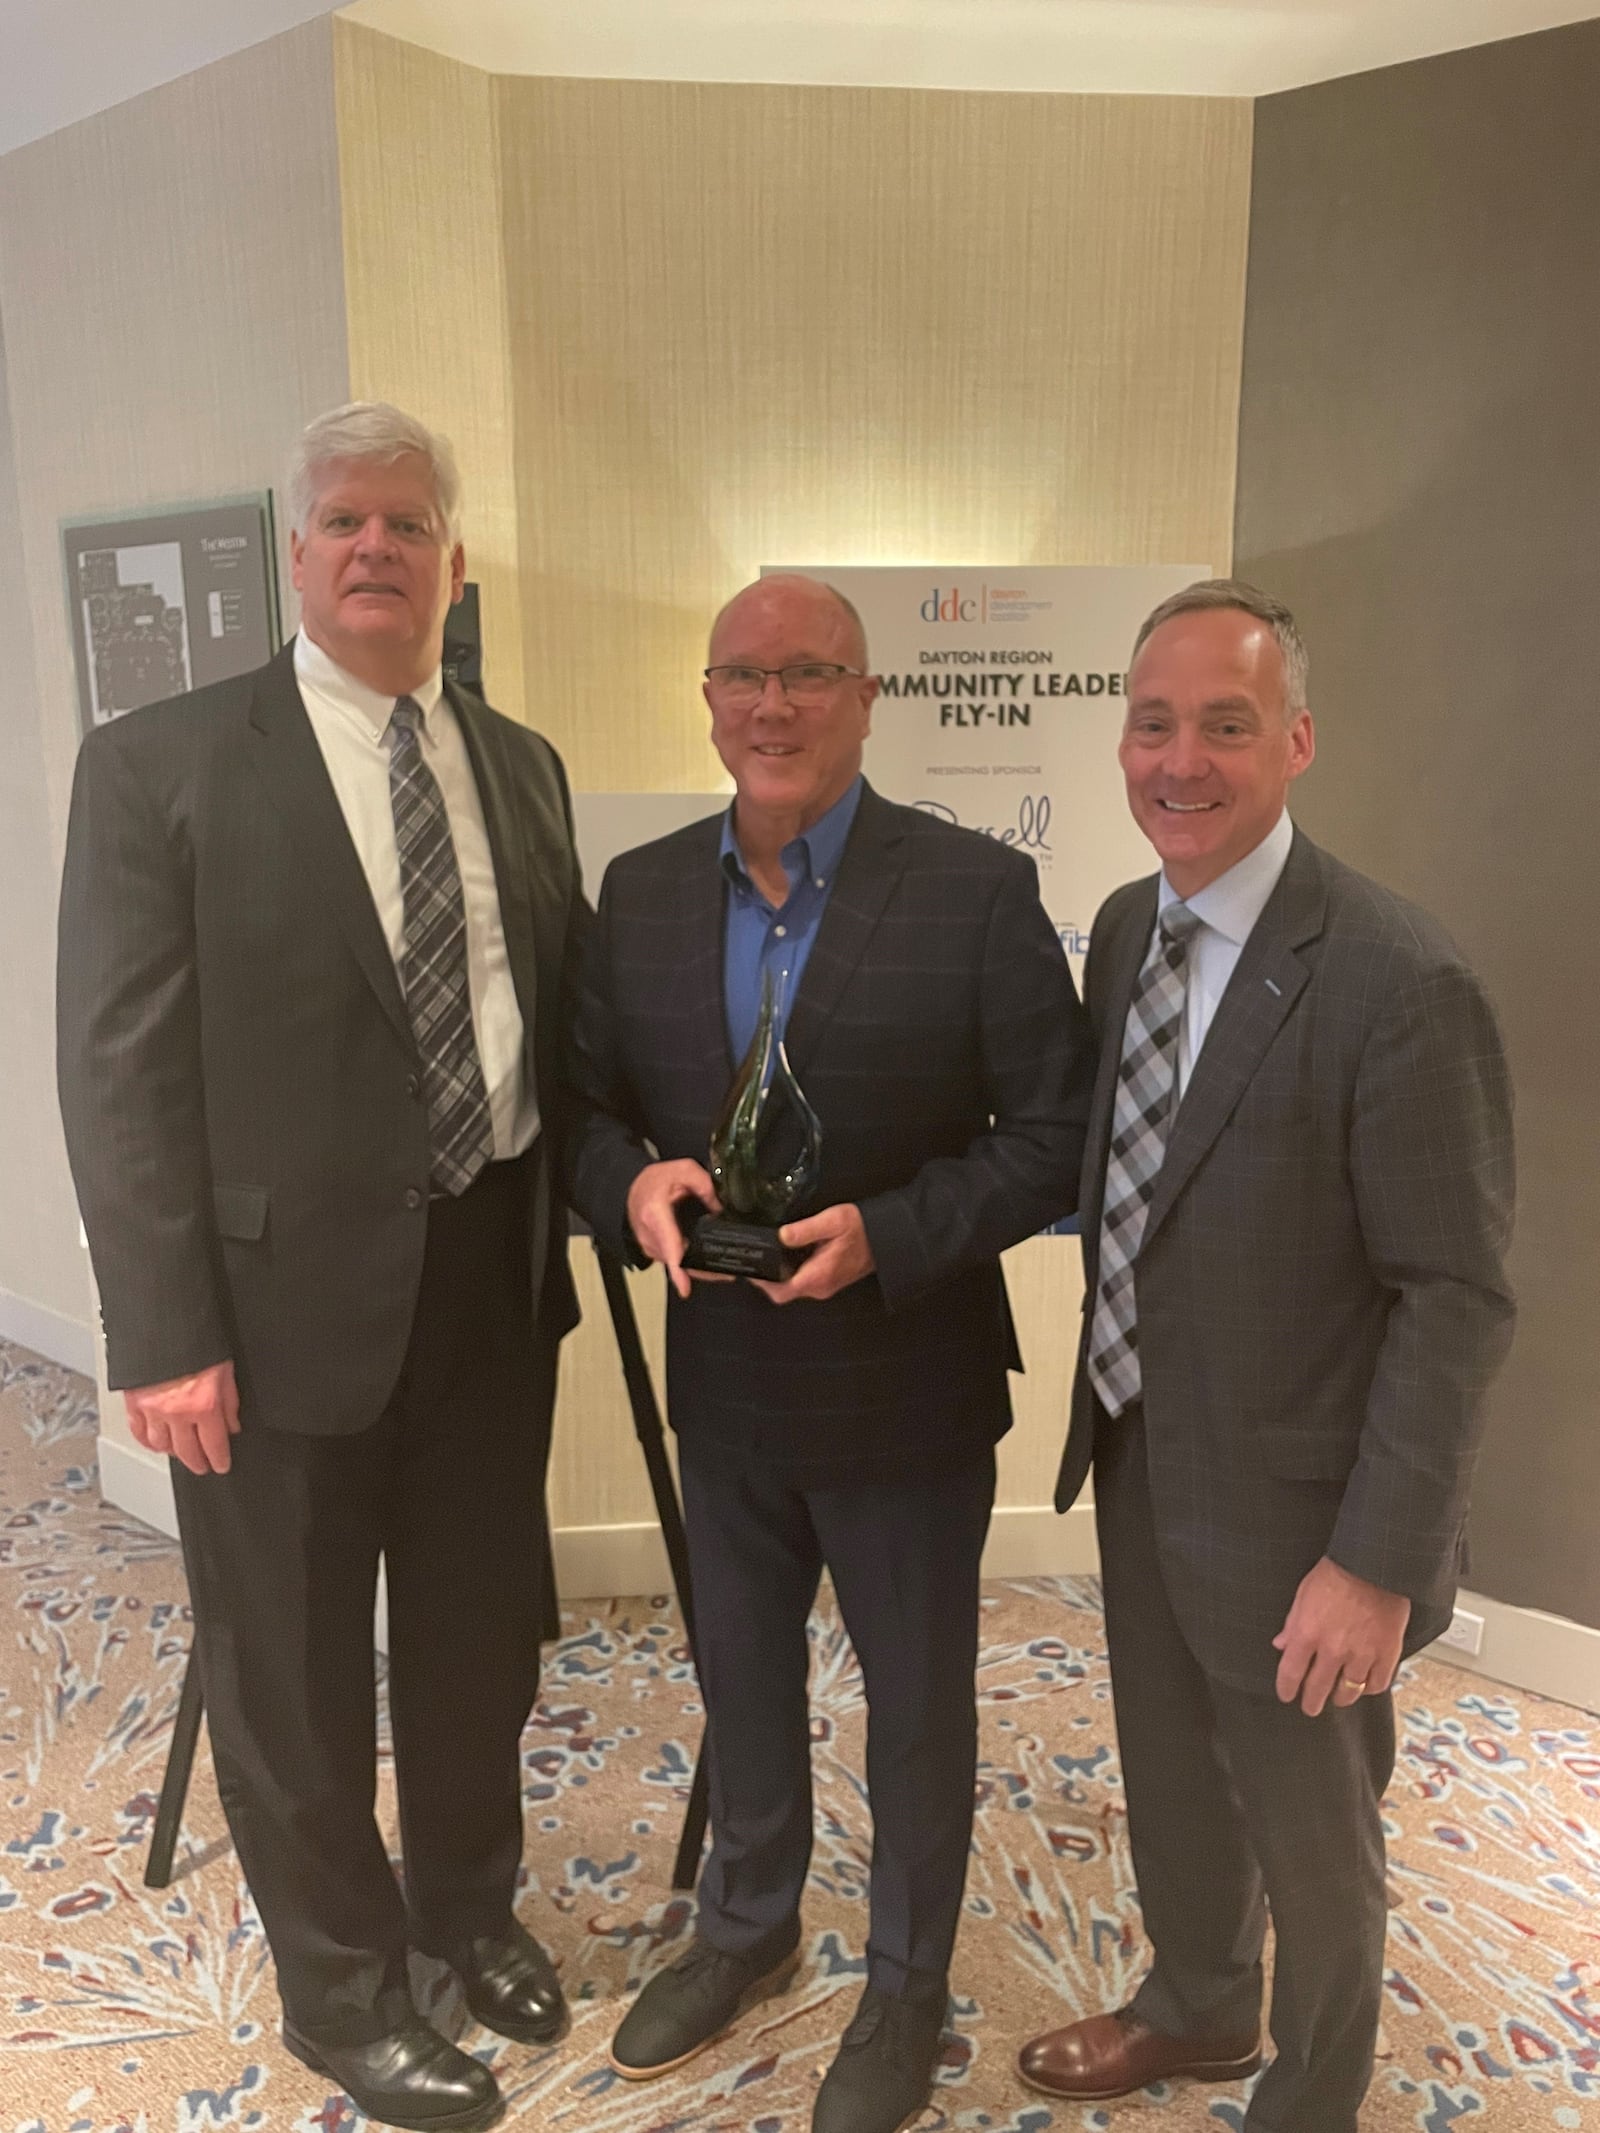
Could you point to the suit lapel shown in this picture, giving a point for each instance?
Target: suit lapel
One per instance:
(1128, 952)
(701, 905)
(1267, 980)
(291, 768)
(874, 858)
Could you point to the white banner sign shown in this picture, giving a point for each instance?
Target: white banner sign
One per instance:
(1001, 707)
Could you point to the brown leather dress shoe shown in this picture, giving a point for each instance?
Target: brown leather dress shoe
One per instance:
(1114, 2054)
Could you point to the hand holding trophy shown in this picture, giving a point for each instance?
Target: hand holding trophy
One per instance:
(764, 1103)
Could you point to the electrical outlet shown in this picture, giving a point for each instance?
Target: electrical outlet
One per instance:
(1465, 1633)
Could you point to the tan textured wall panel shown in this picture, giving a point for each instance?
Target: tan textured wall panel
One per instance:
(1045, 1277)
(858, 325)
(861, 326)
(425, 292)
(597, 1474)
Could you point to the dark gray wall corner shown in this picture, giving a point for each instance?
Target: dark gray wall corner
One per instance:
(1419, 476)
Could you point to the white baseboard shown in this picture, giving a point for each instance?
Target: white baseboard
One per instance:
(137, 1481)
(1528, 1649)
(1522, 1647)
(48, 1333)
(610, 1562)
(1025, 1540)
(1038, 1541)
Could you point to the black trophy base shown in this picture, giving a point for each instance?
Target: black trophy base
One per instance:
(719, 1244)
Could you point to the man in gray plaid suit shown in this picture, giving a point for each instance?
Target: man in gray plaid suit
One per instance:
(1296, 1199)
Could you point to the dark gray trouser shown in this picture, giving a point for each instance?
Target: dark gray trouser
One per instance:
(904, 1560)
(1237, 1802)
(282, 1555)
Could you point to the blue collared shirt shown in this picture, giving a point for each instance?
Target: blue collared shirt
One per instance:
(758, 938)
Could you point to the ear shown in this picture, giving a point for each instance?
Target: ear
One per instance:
(869, 695)
(458, 572)
(297, 549)
(1302, 745)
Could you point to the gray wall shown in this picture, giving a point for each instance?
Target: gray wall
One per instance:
(171, 312)
(41, 1264)
(1419, 477)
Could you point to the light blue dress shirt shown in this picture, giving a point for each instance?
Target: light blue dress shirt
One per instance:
(757, 938)
(1227, 910)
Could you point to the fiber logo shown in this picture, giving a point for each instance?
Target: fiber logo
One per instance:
(953, 605)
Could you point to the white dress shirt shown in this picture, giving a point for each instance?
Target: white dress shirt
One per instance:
(351, 723)
(1227, 910)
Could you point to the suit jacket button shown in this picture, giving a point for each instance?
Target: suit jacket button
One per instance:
(413, 1084)
(413, 1197)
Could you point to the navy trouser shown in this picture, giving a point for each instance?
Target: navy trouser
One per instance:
(903, 1557)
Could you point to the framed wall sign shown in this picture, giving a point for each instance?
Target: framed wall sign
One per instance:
(163, 602)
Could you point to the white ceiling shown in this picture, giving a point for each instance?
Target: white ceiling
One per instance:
(67, 58)
(1150, 47)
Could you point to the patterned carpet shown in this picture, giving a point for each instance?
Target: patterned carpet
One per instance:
(128, 2011)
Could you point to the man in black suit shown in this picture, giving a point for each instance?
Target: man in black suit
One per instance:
(845, 1418)
(317, 926)
(1297, 1199)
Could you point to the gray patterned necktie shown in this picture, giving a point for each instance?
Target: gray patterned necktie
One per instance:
(1147, 1081)
(433, 969)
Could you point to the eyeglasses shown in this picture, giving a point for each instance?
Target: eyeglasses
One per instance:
(742, 688)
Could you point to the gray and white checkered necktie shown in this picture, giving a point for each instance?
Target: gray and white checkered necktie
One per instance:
(1147, 1081)
(433, 969)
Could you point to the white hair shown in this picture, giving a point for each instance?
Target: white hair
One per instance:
(370, 430)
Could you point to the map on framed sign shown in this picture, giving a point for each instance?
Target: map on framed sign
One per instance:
(165, 602)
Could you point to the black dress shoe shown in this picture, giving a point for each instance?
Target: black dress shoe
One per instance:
(413, 2078)
(689, 2004)
(510, 1985)
(883, 2074)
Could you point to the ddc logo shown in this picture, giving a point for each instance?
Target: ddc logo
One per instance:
(953, 606)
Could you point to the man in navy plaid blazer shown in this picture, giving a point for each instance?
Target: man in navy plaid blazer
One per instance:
(1297, 1198)
(847, 1417)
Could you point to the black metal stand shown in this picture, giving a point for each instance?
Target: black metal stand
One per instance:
(652, 1442)
(175, 1781)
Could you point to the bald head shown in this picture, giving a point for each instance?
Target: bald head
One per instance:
(793, 604)
(791, 704)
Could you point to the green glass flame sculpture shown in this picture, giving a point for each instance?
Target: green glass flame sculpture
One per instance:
(757, 1198)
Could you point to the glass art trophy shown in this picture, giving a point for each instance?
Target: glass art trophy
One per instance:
(766, 1158)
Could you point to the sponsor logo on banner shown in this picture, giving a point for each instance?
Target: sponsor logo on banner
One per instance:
(983, 603)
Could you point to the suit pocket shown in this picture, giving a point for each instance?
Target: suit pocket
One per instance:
(241, 1211)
